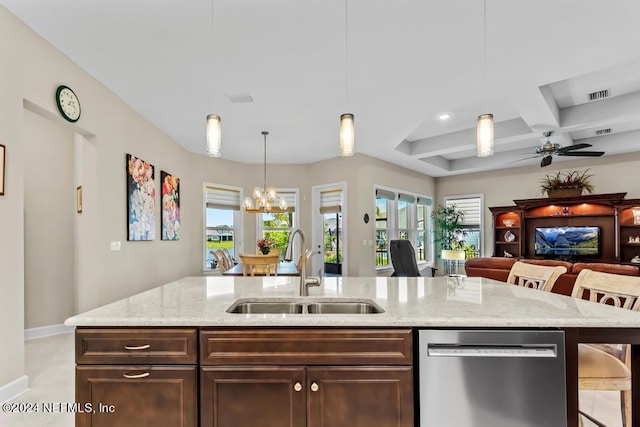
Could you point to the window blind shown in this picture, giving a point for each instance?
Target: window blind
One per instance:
(470, 206)
(383, 194)
(223, 198)
(330, 201)
(406, 198)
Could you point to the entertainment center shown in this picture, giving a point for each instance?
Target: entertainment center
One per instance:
(591, 228)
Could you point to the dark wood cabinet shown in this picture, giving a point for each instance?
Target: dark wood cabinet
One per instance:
(137, 377)
(136, 396)
(306, 377)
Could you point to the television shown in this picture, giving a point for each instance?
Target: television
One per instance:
(567, 241)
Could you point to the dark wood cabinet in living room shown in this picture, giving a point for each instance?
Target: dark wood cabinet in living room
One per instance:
(612, 214)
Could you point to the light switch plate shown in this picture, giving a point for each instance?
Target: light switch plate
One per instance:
(115, 246)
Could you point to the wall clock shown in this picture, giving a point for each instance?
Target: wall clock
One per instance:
(68, 103)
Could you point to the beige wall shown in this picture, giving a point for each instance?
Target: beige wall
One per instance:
(49, 210)
(612, 174)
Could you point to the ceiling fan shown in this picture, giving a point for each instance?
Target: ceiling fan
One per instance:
(549, 149)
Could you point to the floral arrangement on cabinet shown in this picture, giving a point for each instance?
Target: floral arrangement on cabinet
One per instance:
(265, 245)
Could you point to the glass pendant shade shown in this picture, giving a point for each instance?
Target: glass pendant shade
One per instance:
(484, 135)
(214, 135)
(347, 135)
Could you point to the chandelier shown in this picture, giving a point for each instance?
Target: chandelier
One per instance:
(264, 198)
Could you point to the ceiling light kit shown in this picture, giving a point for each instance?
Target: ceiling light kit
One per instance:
(214, 125)
(484, 130)
(347, 128)
(263, 198)
(444, 116)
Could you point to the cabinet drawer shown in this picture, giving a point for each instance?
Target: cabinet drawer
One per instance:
(306, 346)
(129, 346)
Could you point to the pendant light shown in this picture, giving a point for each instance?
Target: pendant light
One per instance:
(214, 127)
(484, 130)
(347, 129)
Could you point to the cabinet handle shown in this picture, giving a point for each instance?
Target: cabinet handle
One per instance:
(135, 376)
(137, 347)
(314, 386)
(297, 386)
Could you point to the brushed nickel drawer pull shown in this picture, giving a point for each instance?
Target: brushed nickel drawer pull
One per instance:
(314, 386)
(297, 386)
(139, 347)
(135, 376)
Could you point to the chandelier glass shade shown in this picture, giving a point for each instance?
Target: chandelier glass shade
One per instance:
(214, 135)
(484, 135)
(264, 198)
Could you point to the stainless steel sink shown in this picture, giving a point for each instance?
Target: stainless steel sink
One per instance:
(305, 306)
(265, 307)
(344, 307)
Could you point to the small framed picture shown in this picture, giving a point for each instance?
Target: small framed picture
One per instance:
(3, 150)
(79, 199)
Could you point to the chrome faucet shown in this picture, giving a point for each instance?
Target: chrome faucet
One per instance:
(305, 282)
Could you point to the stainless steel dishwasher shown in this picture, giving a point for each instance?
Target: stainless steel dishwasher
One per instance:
(490, 378)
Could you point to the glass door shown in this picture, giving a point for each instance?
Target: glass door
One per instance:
(332, 236)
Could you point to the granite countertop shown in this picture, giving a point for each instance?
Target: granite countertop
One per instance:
(414, 302)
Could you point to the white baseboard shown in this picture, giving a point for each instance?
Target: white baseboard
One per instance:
(14, 388)
(47, 331)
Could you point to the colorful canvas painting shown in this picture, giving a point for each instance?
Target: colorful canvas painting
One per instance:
(141, 200)
(170, 206)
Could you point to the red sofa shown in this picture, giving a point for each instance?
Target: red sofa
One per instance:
(498, 268)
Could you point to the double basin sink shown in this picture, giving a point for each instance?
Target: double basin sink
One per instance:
(302, 306)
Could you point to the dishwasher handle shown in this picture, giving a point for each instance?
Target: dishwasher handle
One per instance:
(474, 350)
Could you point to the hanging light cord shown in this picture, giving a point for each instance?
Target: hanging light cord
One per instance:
(264, 189)
(346, 51)
(484, 41)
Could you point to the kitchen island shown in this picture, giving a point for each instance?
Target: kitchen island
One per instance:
(209, 359)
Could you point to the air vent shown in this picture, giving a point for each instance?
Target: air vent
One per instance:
(601, 94)
(239, 97)
(603, 131)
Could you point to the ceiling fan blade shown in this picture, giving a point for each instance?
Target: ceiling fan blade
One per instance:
(582, 153)
(546, 161)
(572, 147)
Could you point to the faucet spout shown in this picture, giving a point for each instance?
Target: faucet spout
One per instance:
(288, 256)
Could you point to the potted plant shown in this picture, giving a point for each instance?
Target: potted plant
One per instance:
(449, 231)
(566, 184)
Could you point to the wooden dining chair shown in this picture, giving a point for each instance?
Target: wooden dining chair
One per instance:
(223, 265)
(607, 366)
(227, 256)
(263, 265)
(533, 276)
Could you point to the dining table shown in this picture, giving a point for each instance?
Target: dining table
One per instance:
(285, 268)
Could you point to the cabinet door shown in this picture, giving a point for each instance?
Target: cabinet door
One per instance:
(360, 396)
(137, 396)
(256, 396)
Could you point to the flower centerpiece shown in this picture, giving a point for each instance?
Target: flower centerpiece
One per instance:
(566, 184)
(265, 245)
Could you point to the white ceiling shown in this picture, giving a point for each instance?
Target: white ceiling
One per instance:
(408, 61)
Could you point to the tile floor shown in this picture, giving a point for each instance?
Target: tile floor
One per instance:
(50, 367)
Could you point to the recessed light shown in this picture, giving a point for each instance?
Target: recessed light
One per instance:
(444, 116)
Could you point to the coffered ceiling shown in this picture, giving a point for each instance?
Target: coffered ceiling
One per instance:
(396, 64)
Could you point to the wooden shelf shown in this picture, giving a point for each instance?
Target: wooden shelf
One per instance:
(630, 244)
(514, 227)
(630, 226)
(512, 243)
(569, 216)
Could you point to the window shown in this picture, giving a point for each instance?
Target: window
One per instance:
(471, 205)
(278, 225)
(402, 216)
(222, 221)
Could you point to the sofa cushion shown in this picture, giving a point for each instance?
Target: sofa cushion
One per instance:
(495, 268)
(626, 270)
(549, 263)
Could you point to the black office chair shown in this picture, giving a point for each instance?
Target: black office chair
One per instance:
(403, 258)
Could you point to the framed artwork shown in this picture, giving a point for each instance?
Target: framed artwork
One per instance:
(79, 199)
(3, 153)
(141, 200)
(170, 206)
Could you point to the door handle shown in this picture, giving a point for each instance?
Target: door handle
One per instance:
(297, 386)
(137, 347)
(314, 386)
(135, 376)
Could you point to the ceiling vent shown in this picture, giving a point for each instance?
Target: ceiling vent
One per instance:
(603, 131)
(601, 94)
(237, 98)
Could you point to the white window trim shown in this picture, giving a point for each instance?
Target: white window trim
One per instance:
(296, 213)
(392, 225)
(237, 222)
(481, 226)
